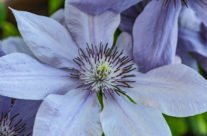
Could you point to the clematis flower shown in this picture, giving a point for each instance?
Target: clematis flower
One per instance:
(155, 30)
(159, 22)
(17, 116)
(89, 88)
(191, 34)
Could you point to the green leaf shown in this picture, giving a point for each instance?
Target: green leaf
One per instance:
(55, 5)
(103, 134)
(2, 14)
(9, 30)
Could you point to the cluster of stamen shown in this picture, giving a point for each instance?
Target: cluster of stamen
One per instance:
(11, 125)
(105, 69)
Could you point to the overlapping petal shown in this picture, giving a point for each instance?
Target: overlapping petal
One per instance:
(24, 77)
(192, 41)
(15, 44)
(91, 29)
(100, 6)
(155, 35)
(49, 41)
(124, 43)
(175, 90)
(59, 16)
(199, 6)
(120, 117)
(187, 59)
(2, 53)
(76, 113)
(189, 20)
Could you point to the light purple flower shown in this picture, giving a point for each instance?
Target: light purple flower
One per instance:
(155, 30)
(69, 79)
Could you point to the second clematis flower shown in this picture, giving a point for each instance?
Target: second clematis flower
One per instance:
(155, 30)
(87, 86)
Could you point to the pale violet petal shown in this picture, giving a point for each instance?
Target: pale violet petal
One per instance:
(73, 114)
(100, 6)
(199, 7)
(24, 77)
(187, 59)
(192, 41)
(59, 16)
(177, 60)
(15, 44)
(48, 40)
(91, 29)
(124, 42)
(188, 19)
(121, 117)
(176, 90)
(155, 34)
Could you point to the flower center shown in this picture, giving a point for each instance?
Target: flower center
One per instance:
(104, 69)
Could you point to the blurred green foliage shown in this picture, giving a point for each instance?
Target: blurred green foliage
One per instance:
(178, 126)
(7, 29)
(55, 5)
(2, 14)
(190, 126)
